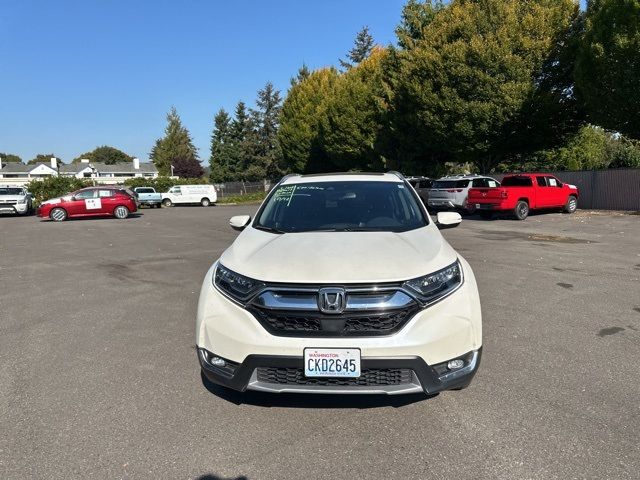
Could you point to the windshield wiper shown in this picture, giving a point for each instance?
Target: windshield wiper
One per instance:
(268, 229)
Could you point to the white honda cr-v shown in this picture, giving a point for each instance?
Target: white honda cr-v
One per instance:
(341, 284)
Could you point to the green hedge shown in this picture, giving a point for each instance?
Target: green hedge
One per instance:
(52, 187)
(162, 184)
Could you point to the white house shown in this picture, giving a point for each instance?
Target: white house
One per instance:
(20, 174)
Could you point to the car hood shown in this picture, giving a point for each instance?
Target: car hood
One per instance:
(338, 257)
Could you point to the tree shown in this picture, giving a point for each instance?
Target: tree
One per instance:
(415, 17)
(105, 154)
(264, 157)
(241, 135)
(608, 70)
(301, 76)
(187, 167)
(44, 158)
(300, 118)
(10, 158)
(363, 45)
(349, 129)
(176, 143)
(221, 148)
(461, 87)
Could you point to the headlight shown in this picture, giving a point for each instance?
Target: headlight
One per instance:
(436, 285)
(22, 201)
(235, 285)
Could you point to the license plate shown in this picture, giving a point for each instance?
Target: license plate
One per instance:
(332, 362)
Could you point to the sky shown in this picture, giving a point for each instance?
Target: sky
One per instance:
(80, 74)
(77, 74)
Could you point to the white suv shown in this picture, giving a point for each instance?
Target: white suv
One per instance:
(341, 284)
(453, 191)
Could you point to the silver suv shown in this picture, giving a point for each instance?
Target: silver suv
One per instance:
(15, 200)
(453, 191)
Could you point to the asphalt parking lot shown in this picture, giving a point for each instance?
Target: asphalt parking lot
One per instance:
(99, 376)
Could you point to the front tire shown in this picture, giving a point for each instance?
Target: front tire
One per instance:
(521, 211)
(121, 212)
(205, 202)
(58, 214)
(167, 203)
(572, 204)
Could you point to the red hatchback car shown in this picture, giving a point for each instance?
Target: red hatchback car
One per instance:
(102, 201)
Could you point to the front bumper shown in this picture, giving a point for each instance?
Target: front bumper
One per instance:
(421, 376)
(19, 209)
(433, 203)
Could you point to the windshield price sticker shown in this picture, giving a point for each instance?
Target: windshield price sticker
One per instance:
(332, 362)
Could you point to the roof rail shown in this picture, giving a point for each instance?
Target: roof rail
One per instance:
(397, 174)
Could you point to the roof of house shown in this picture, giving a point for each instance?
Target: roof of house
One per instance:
(15, 167)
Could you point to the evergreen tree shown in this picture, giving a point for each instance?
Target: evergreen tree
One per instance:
(176, 143)
(221, 146)
(349, 129)
(302, 75)
(264, 156)
(416, 16)
(300, 118)
(459, 91)
(363, 45)
(608, 69)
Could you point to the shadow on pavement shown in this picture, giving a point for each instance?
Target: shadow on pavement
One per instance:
(215, 477)
(297, 400)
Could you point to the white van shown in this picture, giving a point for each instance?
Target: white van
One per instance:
(205, 195)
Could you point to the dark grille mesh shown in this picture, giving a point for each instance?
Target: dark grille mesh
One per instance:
(368, 378)
(316, 324)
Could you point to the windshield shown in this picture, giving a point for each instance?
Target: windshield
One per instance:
(341, 206)
(517, 182)
(450, 184)
(11, 191)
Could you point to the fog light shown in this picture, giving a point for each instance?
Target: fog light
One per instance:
(455, 364)
(217, 361)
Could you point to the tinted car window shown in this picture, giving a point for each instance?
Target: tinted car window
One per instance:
(517, 182)
(85, 194)
(541, 181)
(425, 184)
(341, 206)
(450, 184)
(11, 191)
(145, 190)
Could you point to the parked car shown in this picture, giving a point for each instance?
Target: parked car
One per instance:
(453, 191)
(148, 196)
(525, 192)
(103, 201)
(15, 200)
(205, 195)
(422, 185)
(341, 284)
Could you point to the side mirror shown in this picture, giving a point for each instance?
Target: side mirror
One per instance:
(448, 220)
(239, 222)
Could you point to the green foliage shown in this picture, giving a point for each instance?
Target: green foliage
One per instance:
(10, 158)
(349, 127)
(461, 87)
(260, 155)
(302, 112)
(176, 143)
(608, 70)
(303, 74)
(362, 48)
(416, 16)
(162, 183)
(221, 148)
(43, 158)
(54, 186)
(105, 154)
(253, 197)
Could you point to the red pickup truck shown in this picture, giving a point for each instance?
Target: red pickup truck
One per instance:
(524, 192)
